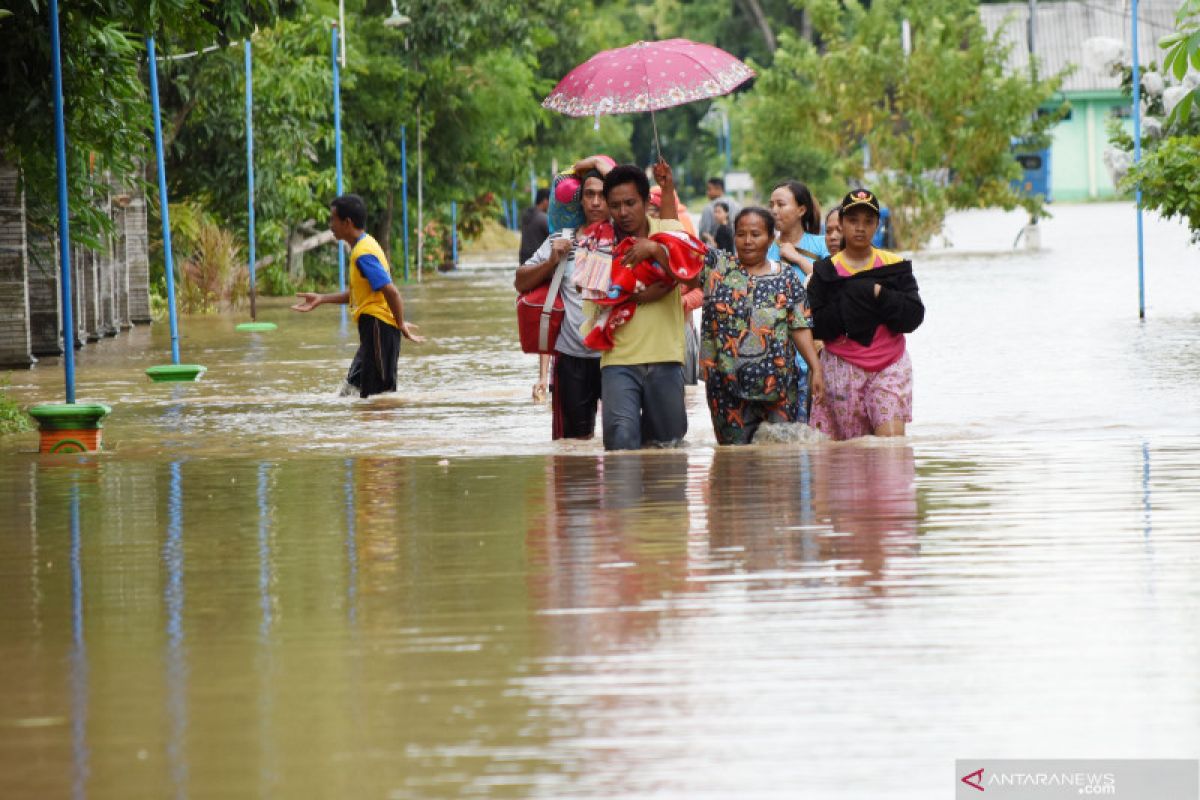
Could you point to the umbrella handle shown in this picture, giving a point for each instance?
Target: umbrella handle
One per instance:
(657, 146)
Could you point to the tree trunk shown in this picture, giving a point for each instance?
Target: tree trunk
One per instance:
(755, 10)
(385, 225)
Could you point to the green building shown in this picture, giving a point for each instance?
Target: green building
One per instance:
(1061, 27)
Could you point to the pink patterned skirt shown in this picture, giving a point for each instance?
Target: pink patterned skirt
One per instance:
(857, 401)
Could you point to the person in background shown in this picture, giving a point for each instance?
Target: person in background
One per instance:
(535, 226)
(799, 243)
(375, 303)
(715, 191)
(863, 301)
(833, 230)
(692, 299)
(656, 211)
(754, 325)
(722, 238)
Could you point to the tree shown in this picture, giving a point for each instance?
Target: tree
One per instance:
(1183, 54)
(1169, 172)
(930, 131)
(204, 116)
(104, 92)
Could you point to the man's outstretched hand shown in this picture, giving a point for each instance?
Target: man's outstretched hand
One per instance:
(308, 301)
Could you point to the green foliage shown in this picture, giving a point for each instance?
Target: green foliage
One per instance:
(1183, 52)
(212, 272)
(106, 106)
(204, 100)
(938, 124)
(1169, 176)
(12, 418)
(1169, 172)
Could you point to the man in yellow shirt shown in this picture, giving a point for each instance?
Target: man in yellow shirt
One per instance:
(641, 377)
(375, 302)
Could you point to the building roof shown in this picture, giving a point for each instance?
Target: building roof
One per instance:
(1064, 25)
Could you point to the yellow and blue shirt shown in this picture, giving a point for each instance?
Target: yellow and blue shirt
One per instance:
(369, 273)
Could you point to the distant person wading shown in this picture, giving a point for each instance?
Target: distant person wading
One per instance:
(375, 302)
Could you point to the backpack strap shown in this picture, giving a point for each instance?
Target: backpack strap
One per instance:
(548, 307)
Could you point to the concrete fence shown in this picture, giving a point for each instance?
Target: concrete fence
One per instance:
(110, 286)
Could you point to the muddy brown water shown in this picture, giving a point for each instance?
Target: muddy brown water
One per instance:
(260, 589)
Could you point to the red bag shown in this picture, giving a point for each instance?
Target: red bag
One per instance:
(540, 315)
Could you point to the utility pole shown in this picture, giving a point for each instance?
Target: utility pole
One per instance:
(1033, 234)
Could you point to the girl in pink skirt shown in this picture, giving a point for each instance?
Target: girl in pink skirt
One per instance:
(863, 300)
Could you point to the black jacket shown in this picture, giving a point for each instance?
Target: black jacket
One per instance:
(847, 305)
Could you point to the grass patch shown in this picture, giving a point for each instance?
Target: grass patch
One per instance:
(493, 239)
(13, 418)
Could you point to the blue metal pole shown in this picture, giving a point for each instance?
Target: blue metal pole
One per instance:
(64, 210)
(1137, 158)
(337, 154)
(250, 173)
(404, 191)
(164, 208)
(454, 232)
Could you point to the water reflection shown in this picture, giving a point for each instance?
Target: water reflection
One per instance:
(351, 543)
(176, 656)
(612, 536)
(268, 776)
(586, 626)
(81, 757)
(264, 551)
(829, 517)
(619, 533)
(1146, 488)
(867, 495)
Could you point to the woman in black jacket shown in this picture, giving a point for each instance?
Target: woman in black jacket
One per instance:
(863, 300)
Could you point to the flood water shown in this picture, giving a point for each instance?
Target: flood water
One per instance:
(260, 589)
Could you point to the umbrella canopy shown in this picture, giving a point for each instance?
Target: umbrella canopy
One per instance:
(647, 76)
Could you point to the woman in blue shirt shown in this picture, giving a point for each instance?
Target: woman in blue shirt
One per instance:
(799, 242)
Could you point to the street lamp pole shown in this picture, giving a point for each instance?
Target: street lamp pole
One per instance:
(164, 206)
(1137, 158)
(404, 191)
(64, 210)
(337, 156)
(250, 175)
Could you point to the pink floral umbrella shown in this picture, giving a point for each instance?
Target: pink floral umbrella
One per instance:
(647, 76)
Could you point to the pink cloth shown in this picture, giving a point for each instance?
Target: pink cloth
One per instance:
(886, 348)
(858, 401)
